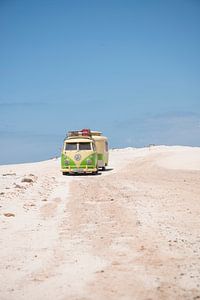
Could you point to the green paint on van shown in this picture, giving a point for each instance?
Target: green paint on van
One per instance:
(93, 158)
(100, 156)
(72, 163)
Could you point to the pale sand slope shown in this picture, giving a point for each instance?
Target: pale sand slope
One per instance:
(132, 232)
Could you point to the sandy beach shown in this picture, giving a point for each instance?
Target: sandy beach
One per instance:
(131, 232)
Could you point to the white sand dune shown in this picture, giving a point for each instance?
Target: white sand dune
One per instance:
(182, 158)
(132, 232)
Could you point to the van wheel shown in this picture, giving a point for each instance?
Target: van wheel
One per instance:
(65, 173)
(96, 172)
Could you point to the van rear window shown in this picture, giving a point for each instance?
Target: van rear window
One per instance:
(84, 146)
(71, 146)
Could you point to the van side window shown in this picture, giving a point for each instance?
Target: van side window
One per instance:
(94, 146)
(106, 145)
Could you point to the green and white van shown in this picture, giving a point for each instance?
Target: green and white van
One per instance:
(84, 151)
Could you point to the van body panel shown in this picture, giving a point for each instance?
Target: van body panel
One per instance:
(78, 160)
(101, 143)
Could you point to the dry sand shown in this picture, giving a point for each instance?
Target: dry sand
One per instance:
(131, 232)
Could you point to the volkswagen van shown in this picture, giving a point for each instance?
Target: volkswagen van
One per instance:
(79, 153)
(84, 151)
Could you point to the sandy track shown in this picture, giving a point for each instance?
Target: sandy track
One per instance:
(130, 233)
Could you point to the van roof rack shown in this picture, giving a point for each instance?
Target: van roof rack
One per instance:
(80, 133)
(96, 133)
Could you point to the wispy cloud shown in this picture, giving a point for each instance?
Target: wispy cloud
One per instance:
(20, 104)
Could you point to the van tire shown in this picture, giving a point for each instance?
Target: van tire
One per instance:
(65, 173)
(96, 172)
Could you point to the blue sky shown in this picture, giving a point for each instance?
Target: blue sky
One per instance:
(128, 68)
